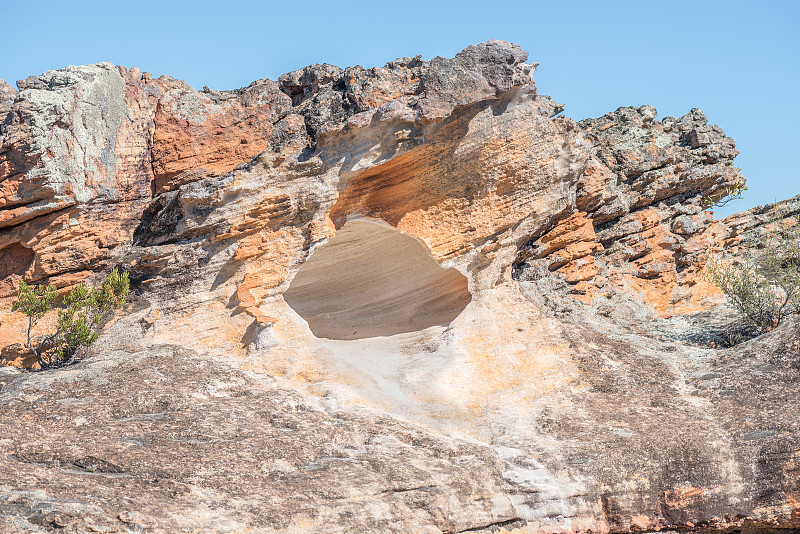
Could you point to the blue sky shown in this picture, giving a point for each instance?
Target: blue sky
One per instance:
(737, 61)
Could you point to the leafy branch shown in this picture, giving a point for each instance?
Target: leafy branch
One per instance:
(732, 193)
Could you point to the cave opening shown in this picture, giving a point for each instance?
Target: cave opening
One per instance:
(372, 280)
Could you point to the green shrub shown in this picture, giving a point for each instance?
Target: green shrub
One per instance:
(764, 288)
(84, 311)
(35, 302)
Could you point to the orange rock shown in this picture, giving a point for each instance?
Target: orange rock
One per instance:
(574, 229)
(207, 134)
(568, 249)
(579, 270)
(443, 198)
(15, 262)
(593, 189)
(640, 522)
(271, 256)
(648, 217)
(16, 355)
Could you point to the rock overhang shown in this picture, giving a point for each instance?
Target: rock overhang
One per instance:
(371, 280)
(463, 155)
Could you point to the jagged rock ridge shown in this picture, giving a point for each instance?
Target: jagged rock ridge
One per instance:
(569, 395)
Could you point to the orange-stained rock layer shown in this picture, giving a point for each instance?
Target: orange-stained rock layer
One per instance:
(209, 133)
(462, 188)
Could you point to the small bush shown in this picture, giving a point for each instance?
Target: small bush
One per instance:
(731, 194)
(764, 288)
(35, 302)
(84, 311)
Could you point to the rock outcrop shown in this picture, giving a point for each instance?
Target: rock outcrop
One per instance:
(640, 223)
(294, 359)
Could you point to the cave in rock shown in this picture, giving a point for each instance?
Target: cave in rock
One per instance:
(372, 280)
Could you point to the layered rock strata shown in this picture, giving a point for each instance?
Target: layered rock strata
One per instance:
(543, 377)
(640, 223)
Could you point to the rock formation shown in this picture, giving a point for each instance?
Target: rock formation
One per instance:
(640, 223)
(404, 299)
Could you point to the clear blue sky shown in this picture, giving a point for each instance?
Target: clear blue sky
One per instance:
(737, 61)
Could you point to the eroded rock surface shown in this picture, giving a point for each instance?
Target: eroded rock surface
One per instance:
(550, 374)
(371, 280)
(642, 191)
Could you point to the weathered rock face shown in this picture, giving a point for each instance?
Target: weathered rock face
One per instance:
(196, 135)
(640, 223)
(751, 228)
(294, 359)
(7, 94)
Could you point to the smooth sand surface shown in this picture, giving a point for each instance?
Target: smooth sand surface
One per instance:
(372, 280)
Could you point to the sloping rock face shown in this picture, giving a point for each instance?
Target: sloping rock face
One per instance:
(545, 376)
(751, 228)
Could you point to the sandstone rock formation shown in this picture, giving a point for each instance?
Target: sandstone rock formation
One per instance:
(293, 358)
(640, 223)
(371, 280)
